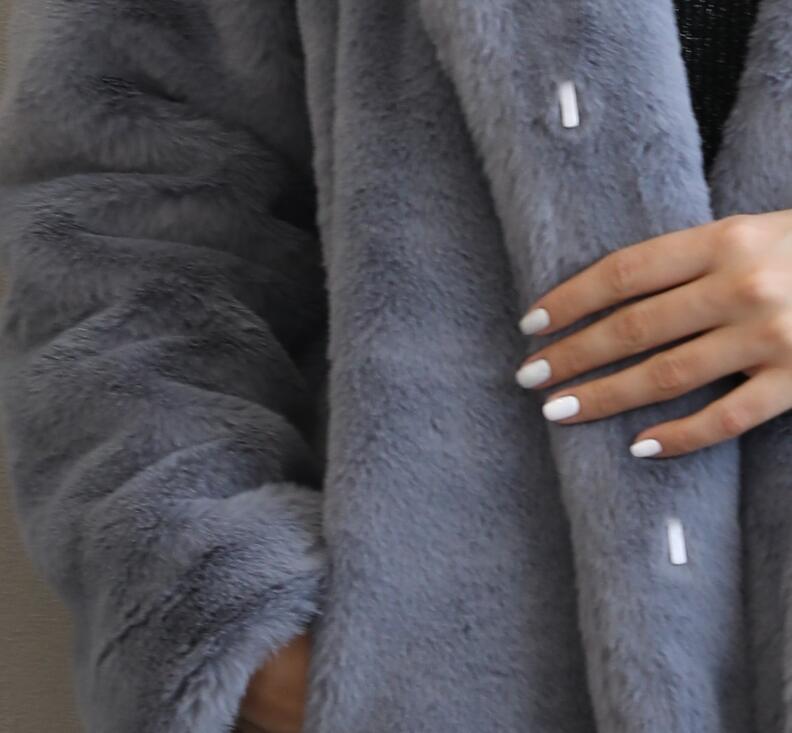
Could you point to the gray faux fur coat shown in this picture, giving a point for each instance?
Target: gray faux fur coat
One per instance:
(266, 261)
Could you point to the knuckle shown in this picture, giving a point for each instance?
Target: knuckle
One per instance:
(733, 421)
(574, 359)
(683, 439)
(778, 331)
(669, 373)
(622, 270)
(602, 398)
(737, 235)
(632, 328)
(760, 287)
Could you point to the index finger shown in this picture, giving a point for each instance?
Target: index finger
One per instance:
(649, 266)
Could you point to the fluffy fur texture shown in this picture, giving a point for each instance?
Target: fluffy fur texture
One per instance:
(174, 317)
(162, 344)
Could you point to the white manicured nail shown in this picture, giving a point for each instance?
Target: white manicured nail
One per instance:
(644, 448)
(534, 321)
(561, 407)
(533, 373)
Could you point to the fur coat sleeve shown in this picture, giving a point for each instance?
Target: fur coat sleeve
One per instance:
(162, 346)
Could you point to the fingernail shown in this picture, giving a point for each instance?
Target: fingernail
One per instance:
(561, 407)
(533, 373)
(645, 448)
(534, 321)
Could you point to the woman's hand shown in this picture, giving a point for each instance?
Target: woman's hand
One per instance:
(275, 698)
(729, 281)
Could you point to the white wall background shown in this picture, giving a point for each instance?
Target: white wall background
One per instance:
(35, 657)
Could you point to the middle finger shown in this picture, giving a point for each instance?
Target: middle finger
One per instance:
(681, 311)
(664, 376)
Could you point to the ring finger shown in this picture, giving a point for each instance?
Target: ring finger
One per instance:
(661, 377)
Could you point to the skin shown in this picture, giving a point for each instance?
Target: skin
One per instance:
(726, 284)
(274, 701)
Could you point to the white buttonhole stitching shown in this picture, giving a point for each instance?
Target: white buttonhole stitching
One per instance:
(677, 550)
(567, 97)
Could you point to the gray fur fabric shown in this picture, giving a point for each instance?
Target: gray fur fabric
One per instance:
(266, 262)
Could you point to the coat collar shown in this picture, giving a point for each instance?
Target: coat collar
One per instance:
(632, 168)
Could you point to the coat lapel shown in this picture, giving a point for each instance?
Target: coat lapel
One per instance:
(664, 642)
(753, 173)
